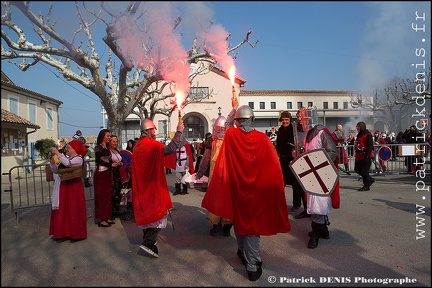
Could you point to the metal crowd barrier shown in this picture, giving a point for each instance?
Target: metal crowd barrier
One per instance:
(28, 187)
(396, 164)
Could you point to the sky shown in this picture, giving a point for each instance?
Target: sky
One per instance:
(356, 45)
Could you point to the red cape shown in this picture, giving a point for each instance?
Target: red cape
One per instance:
(170, 159)
(151, 198)
(335, 195)
(247, 185)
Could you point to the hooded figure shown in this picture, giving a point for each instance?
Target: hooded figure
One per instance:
(209, 159)
(363, 147)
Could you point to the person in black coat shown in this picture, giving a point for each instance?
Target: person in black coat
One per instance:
(284, 148)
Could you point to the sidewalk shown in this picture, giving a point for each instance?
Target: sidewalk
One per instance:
(372, 239)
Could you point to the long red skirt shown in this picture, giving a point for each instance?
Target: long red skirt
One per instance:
(102, 195)
(70, 220)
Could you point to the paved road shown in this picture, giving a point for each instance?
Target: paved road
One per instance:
(373, 240)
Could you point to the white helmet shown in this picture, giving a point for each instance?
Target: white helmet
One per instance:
(219, 128)
(147, 124)
(244, 112)
(220, 121)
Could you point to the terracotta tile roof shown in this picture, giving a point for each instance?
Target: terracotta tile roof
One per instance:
(292, 92)
(5, 79)
(11, 118)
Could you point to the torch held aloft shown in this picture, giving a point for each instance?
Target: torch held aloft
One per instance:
(179, 115)
(233, 93)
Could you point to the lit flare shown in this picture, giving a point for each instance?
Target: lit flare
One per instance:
(231, 75)
(179, 101)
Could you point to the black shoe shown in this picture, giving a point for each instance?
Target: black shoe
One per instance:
(253, 276)
(76, 240)
(322, 236)
(313, 241)
(60, 240)
(364, 188)
(177, 189)
(302, 215)
(241, 256)
(346, 171)
(214, 230)
(184, 191)
(153, 251)
(226, 230)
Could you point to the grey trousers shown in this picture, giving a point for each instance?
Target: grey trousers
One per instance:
(150, 236)
(250, 246)
(320, 219)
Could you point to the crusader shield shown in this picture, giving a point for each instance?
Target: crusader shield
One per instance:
(316, 172)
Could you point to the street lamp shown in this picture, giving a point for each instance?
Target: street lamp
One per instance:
(103, 112)
(219, 113)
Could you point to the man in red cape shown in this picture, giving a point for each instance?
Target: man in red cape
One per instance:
(247, 187)
(151, 198)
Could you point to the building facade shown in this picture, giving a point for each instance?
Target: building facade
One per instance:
(198, 116)
(27, 116)
(333, 108)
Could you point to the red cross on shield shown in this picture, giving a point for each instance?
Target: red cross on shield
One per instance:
(316, 172)
(179, 152)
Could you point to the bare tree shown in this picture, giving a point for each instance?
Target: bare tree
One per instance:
(396, 98)
(138, 82)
